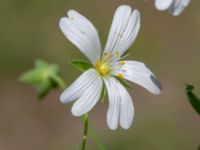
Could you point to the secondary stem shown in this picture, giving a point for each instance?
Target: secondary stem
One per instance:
(85, 132)
(59, 81)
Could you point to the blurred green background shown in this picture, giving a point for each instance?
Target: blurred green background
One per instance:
(169, 45)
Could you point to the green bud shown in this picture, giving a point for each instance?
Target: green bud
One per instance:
(43, 77)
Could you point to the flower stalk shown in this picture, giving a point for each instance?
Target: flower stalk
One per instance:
(85, 132)
(85, 118)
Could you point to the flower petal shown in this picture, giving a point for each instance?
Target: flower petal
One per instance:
(81, 32)
(123, 31)
(139, 73)
(163, 4)
(75, 90)
(126, 108)
(114, 103)
(120, 105)
(89, 97)
(178, 6)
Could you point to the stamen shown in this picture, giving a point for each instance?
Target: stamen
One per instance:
(122, 62)
(117, 53)
(105, 53)
(107, 56)
(120, 75)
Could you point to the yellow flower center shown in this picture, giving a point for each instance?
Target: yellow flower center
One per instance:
(102, 67)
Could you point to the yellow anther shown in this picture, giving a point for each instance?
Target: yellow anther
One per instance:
(120, 75)
(117, 53)
(122, 62)
(107, 54)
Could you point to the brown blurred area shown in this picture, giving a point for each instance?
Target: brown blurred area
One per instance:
(169, 45)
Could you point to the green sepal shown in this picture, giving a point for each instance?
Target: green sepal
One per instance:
(126, 54)
(40, 63)
(123, 82)
(81, 64)
(103, 93)
(43, 77)
(192, 98)
(43, 89)
(32, 76)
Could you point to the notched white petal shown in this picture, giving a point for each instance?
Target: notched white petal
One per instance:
(126, 108)
(163, 4)
(140, 74)
(121, 108)
(123, 31)
(89, 98)
(114, 104)
(81, 33)
(75, 90)
(178, 6)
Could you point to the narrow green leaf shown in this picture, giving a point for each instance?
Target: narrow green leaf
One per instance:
(81, 64)
(77, 147)
(97, 140)
(193, 99)
(125, 54)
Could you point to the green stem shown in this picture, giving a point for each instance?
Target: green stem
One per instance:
(85, 132)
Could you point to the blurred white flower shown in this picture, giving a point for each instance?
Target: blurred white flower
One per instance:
(175, 7)
(108, 66)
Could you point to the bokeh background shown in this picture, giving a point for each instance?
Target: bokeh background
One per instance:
(169, 45)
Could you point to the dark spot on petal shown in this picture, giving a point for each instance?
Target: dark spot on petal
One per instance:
(156, 82)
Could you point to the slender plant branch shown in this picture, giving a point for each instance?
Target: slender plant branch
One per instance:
(59, 81)
(85, 132)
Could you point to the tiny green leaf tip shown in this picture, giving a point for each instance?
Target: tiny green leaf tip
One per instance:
(189, 87)
(192, 98)
(81, 64)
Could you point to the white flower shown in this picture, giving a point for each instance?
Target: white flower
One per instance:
(175, 7)
(108, 66)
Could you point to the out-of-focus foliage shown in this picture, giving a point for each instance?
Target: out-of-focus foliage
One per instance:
(43, 77)
(192, 98)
